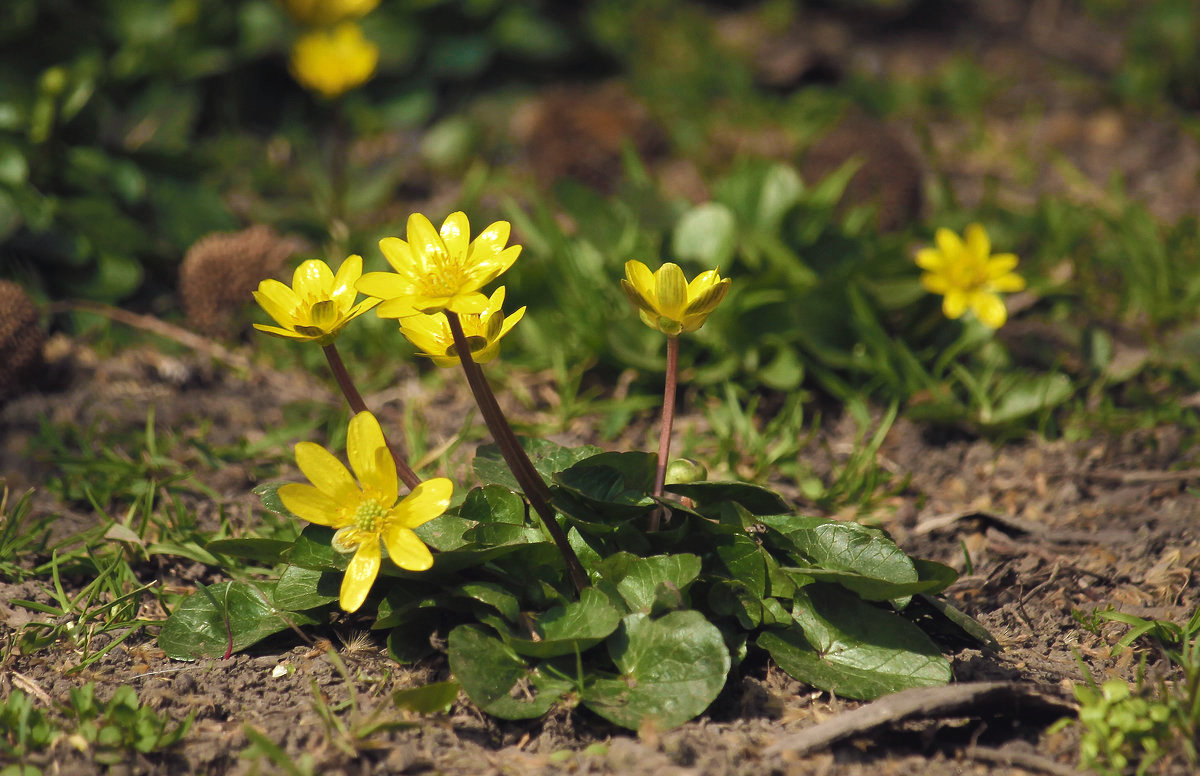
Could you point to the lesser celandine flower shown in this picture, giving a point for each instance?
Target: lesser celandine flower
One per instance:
(432, 337)
(666, 301)
(365, 512)
(318, 304)
(333, 61)
(968, 276)
(439, 269)
(322, 13)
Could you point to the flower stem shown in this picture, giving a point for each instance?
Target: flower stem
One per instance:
(668, 420)
(405, 472)
(522, 468)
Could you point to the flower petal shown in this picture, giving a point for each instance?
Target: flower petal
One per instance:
(326, 472)
(428, 249)
(383, 285)
(279, 301)
(954, 303)
(285, 333)
(467, 304)
(398, 254)
(641, 278)
(400, 307)
(360, 575)
(427, 501)
(1001, 264)
(308, 503)
(977, 241)
(343, 282)
(670, 291)
(935, 283)
(313, 280)
(1007, 283)
(406, 549)
(989, 309)
(491, 241)
(370, 458)
(931, 259)
(456, 234)
(948, 243)
(708, 299)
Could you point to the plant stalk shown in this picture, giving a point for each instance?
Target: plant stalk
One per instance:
(405, 472)
(514, 455)
(668, 420)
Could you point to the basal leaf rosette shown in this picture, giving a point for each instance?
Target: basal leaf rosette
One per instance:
(665, 299)
(968, 276)
(365, 513)
(432, 338)
(318, 303)
(440, 269)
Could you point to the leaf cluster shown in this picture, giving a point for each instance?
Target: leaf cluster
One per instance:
(733, 576)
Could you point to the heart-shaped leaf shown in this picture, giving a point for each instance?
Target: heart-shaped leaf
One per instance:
(496, 679)
(202, 623)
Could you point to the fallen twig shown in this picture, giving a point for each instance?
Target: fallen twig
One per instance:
(973, 699)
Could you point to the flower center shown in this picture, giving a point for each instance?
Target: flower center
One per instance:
(446, 279)
(368, 516)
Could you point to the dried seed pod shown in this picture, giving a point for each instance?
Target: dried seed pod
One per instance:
(21, 340)
(220, 272)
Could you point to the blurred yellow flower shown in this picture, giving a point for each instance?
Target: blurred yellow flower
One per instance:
(318, 304)
(365, 512)
(968, 276)
(431, 333)
(667, 302)
(323, 13)
(439, 270)
(333, 61)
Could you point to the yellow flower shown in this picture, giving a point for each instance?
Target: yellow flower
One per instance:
(439, 270)
(323, 13)
(431, 333)
(967, 276)
(318, 304)
(365, 513)
(667, 302)
(333, 61)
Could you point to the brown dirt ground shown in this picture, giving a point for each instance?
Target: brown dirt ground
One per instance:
(1049, 527)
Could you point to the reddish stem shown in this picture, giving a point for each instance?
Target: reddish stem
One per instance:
(405, 472)
(514, 455)
(668, 420)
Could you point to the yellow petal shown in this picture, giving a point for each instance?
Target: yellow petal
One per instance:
(428, 249)
(406, 549)
(343, 282)
(456, 234)
(360, 575)
(948, 243)
(989, 309)
(935, 284)
(313, 280)
(364, 445)
(491, 241)
(642, 279)
(284, 333)
(427, 501)
(278, 300)
(326, 472)
(635, 297)
(954, 303)
(1001, 264)
(487, 268)
(467, 304)
(707, 301)
(931, 259)
(398, 254)
(400, 307)
(1007, 283)
(670, 291)
(977, 241)
(383, 285)
(308, 503)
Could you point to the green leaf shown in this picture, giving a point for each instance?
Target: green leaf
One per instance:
(494, 596)
(268, 494)
(496, 679)
(706, 234)
(943, 575)
(949, 625)
(444, 532)
(671, 668)
(493, 504)
(433, 698)
(266, 551)
(744, 560)
(312, 550)
(638, 579)
(197, 627)
(569, 629)
(838, 546)
(619, 483)
(1026, 395)
(755, 498)
(844, 645)
(300, 588)
(547, 457)
(867, 588)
